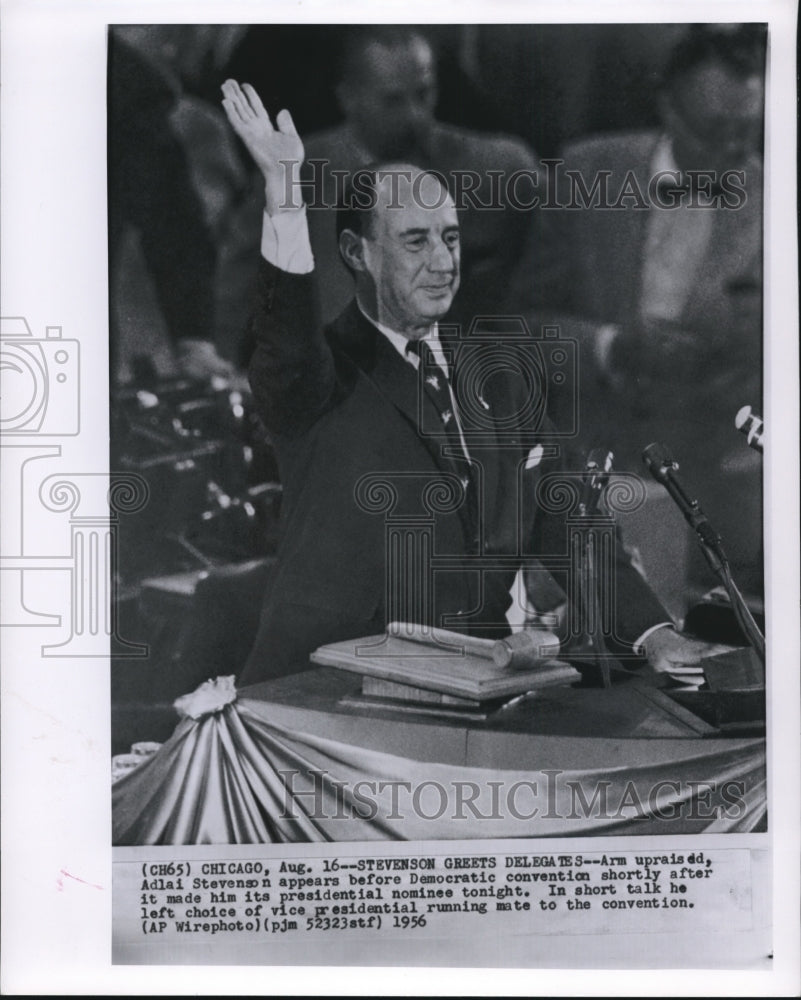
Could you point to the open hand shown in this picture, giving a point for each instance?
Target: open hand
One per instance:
(276, 151)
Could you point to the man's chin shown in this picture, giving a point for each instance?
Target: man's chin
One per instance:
(436, 308)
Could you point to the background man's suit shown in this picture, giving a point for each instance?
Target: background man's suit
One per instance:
(342, 404)
(599, 257)
(591, 273)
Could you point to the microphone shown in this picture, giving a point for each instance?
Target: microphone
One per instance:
(595, 477)
(664, 469)
(748, 423)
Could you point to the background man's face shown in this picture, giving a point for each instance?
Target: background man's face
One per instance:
(715, 118)
(391, 100)
(412, 254)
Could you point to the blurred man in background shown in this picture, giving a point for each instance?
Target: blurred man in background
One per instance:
(387, 91)
(175, 184)
(656, 267)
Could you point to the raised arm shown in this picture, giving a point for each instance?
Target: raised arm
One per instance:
(292, 371)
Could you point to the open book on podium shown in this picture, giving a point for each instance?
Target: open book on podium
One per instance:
(416, 668)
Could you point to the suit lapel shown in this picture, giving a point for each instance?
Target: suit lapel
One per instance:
(394, 378)
(397, 381)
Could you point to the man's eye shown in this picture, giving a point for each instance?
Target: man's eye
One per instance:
(452, 240)
(417, 243)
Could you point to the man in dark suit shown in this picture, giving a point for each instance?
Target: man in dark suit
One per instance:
(356, 438)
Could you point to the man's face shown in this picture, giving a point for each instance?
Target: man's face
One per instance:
(412, 254)
(714, 118)
(390, 101)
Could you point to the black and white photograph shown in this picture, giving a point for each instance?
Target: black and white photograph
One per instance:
(418, 508)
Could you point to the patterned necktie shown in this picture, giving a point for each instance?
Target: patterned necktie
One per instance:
(437, 388)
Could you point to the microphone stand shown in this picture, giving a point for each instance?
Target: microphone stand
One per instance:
(712, 548)
(662, 467)
(592, 608)
(595, 476)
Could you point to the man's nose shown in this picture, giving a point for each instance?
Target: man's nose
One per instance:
(441, 259)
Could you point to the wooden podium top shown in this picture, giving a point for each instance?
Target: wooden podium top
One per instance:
(631, 723)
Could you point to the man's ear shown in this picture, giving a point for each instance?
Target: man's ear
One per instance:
(351, 247)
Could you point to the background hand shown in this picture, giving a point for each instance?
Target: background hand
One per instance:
(198, 359)
(277, 152)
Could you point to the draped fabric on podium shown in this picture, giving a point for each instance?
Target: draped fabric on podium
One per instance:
(234, 777)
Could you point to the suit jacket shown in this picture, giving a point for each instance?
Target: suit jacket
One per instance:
(590, 271)
(342, 405)
(592, 258)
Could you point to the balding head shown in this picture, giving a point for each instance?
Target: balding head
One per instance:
(386, 186)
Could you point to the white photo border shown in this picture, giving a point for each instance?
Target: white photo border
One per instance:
(55, 735)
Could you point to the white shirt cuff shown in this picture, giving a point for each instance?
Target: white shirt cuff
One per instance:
(638, 645)
(285, 241)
